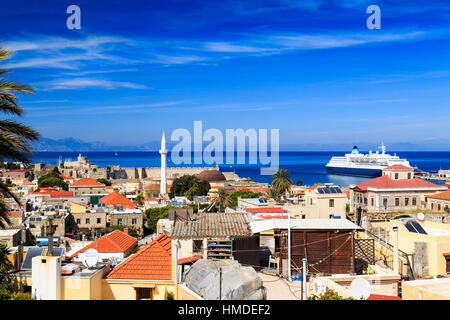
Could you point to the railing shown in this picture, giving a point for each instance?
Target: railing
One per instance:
(401, 253)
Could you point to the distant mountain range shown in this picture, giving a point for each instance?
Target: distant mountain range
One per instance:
(73, 145)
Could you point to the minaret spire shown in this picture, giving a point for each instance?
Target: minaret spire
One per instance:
(163, 151)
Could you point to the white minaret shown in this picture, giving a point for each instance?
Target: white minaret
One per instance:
(163, 152)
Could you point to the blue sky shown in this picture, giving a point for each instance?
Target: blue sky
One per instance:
(309, 68)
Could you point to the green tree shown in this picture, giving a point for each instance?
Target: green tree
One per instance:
(106, 182)
(5, 264)
(184, 183)
(274, 194)
(191, 193)
(282, 180)
(299, 183)
(222, 199)
(244, 194)
(52, 179)
(15, 137)
(154, 214)
(139, 199)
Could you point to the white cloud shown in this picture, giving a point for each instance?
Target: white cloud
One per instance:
(82, 83)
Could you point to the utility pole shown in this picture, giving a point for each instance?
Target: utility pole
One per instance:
(304, 293)
(220, 282)
(289, 245)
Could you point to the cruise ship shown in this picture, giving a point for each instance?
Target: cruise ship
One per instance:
(367, 165)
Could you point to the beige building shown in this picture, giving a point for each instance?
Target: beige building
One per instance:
(10, 237)
(431, 289)
(131, 218)
(395, 190)
(91, 219)
(439, 202)
(429, 249)
(319, 202)
(87, 186)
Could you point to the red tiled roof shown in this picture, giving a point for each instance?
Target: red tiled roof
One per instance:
(115, 198)
(66, 178)
(152, 262)
(243, 188)
(189, 259)
(61, 194)
(19, 170)
(447, 254)
(14, 214)
(116, 241)
(347, 193)
(398, 167)
(266, 210)
(152, 186)
(386, 182)
(441, 195)
(273, 217)
(86, 182)
(312, 187)
(382, 297)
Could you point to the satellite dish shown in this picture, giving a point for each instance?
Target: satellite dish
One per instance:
(420, 216)
(319, 287)
(90, 257)
(360, 289)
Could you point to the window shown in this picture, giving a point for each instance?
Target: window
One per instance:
(406, 201)
(396, 176)
(134, 221)
(88, 220)
(119, 221)
(409, 175)
(99, 220)
(303, 216)
(331, 203)
(372, 202)
(143, 293)
(385, 202)
(414, 201)
(78, 221)
(397, 202)
(197, 246)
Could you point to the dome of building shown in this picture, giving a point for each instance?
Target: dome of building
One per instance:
(211, 176)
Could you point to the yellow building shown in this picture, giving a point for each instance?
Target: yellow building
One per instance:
(147, 275)
(431, 246)
(432, 289)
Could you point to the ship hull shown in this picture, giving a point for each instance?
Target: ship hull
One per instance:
(363, 172)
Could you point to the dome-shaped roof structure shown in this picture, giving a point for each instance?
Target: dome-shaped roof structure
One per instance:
(211, 176)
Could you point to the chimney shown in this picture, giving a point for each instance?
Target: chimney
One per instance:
(396, 267)
(125, 230)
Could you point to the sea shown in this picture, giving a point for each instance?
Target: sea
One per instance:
(307, 166)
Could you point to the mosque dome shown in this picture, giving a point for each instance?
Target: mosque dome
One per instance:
(211, 176)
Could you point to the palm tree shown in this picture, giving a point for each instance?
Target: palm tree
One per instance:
(5, 264)
(14, 136)
(274, 194)
(222, 199)
(282, 181)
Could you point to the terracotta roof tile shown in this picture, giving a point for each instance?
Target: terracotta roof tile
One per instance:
(386, 182)
(115, 198)
(442, 195)
(116, 241)
(86, 182)
(398, 167)
(152, 262)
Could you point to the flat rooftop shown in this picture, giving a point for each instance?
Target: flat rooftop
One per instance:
(436, 286)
